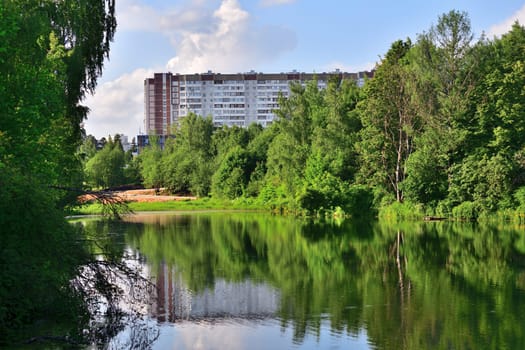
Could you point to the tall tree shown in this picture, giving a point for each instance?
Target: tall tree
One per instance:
(290, 148)
(149, 160)
(495, 125)
(390, 122)
(443, 83)
(185, 173)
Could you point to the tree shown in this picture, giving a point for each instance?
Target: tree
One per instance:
(289, 149)
(51, 54)
(493, 167)
(232, 175)
(182, 173)
(149, 161)
(442, 67)
(332, 162)
(334, 134)
(106, 168)
(390, 122)
(88, 148)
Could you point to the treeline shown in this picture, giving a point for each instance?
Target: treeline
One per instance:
(439, 129)
(51, 54)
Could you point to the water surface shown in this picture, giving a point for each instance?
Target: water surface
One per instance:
(255, 281)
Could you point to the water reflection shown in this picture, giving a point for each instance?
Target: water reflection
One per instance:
(291, 283)
(175, 302)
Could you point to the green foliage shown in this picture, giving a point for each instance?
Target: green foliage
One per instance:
(39, 254)
(483, 180)
(466, 211)
(51, 54)
(231, 177)
(358, 201)
(401, 211)
(519, 195)
(187, 162)
(88, 148)
(106, 168)
(426, 182)
(390, 122)
(150, 165)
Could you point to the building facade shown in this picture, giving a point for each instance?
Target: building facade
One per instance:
(230, 99)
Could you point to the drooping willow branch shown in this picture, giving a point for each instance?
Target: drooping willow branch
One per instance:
(113, 205)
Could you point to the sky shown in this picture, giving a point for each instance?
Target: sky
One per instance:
(269, 36)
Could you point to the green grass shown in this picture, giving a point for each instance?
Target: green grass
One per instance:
(401, 211)
(205, 203)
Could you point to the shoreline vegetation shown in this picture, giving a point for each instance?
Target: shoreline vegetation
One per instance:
(147, 201)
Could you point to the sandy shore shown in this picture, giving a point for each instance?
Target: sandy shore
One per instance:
(147, 195)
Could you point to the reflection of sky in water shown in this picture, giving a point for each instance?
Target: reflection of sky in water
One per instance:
(246, 299)
(236, 299)
(251, 335)
(232, 315)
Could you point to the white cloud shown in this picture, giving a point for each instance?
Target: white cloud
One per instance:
(132, 15)
(506, 25)
(229, 42)
(117, 106)
(267, 3)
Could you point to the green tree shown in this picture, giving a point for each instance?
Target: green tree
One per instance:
(88, 148)
(187, 161)
(231, 178)
(235, 161)
(332, 162)
(106, 168)
(149, 161)
(390, 123)
(444, 66)
(491, 167)
(51, 53)
(290, 148)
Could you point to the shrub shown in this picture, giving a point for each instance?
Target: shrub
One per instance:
(397, 210)
(358, 201)
(466, 211)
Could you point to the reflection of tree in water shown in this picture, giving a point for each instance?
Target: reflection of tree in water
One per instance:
(410, 285)
(116, 290)
(137, 334)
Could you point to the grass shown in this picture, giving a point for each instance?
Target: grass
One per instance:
(205, 203)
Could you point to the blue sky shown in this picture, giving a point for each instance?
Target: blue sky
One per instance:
(230, 36)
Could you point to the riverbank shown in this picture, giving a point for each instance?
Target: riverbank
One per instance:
(148, 200)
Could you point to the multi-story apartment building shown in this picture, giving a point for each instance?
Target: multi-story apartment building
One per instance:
(230, 99)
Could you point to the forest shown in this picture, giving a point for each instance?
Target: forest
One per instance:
(437, 132)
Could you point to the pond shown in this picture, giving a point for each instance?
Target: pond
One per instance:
(231, 280)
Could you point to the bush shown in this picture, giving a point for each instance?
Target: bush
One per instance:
(311, 200)
(519, 196)
(399, 211)
(444, 208)
(39, 255)
(358, 201)
(466, 211)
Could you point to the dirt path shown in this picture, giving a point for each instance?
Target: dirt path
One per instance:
(150, 195)
(147, 195)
